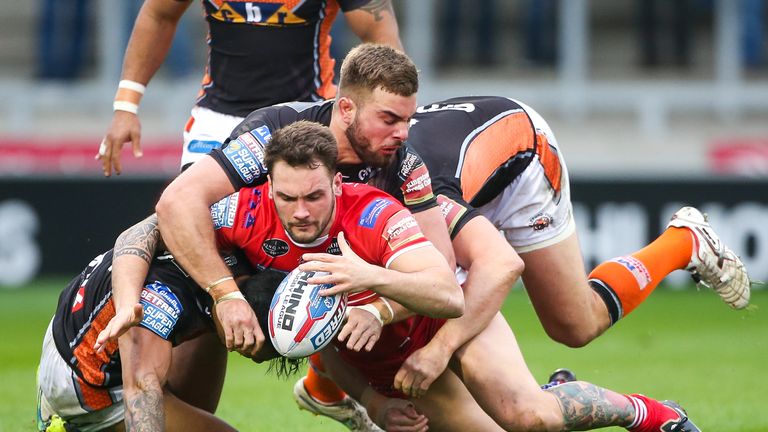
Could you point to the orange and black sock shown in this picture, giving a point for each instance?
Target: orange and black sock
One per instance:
(625, 282)
(318, 385)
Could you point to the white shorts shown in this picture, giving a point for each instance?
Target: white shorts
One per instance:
(205, 130)
(58, 392)
(529, 212)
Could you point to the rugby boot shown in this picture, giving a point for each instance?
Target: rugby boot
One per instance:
(713, 264)
(659, 416)
(348, 411)
(682, 425)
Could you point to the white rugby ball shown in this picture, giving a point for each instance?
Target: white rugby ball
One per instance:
(301, 322)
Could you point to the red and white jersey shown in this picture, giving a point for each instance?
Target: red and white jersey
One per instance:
(376, 226)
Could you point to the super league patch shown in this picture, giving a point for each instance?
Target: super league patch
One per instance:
(161, 308)
(223, 212)
(246, 154)
(372, 211)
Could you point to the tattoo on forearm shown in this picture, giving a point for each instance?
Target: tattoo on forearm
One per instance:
(377, 7)
(586, 406)
(140, 240)
(144, 410)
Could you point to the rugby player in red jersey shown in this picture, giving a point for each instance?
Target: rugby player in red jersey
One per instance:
(369, 120)
(305, 211)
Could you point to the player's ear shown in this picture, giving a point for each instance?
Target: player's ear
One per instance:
(269, 181)
(337, 184)
(347, 109)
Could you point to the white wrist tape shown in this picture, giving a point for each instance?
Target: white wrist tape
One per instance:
(389, 307)
(234, 295)
(130, 107)
(132, 85)
(370, 308)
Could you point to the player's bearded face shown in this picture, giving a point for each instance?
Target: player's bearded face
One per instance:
(380, 127)
(305, 200)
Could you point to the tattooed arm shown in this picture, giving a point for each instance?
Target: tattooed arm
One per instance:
(133, 254)
(146, 359)
(375, 22)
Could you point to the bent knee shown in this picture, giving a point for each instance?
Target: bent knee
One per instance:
(573, 335)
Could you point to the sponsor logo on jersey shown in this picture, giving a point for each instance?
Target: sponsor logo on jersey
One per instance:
(418, 183)
(637, 268)
(161, 308)
(250, 12)
(401, 229)
(540, 221)
(262, 134)
(79, 297)
(466, 107)
(246, 154)
(451, 210)
(275, 247)
(201, 146)
(334, 248)
(223, 212)
(372, 211)
(417, 187)
(409, 163)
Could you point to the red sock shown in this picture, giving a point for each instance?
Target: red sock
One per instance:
(650, 414)
(319, 386)
(632, 278)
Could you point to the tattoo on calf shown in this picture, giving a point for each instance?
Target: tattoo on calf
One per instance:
(144, 410)
(140, 240)
(586, 405)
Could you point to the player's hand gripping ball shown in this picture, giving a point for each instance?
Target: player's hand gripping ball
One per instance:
(301, 322)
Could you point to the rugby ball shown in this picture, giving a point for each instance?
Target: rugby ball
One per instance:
(301, 322)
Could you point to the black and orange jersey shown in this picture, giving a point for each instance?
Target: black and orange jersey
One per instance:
(268, 51)
(475, 147)
(175, 309)
(242, 156)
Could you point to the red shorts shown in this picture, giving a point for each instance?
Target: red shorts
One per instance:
(397, 342)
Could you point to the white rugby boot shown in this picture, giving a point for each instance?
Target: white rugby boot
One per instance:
(713, 264)
(348, 411)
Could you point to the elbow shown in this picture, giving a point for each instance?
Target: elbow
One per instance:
(453, 306)
(171, 200)
(514, 267)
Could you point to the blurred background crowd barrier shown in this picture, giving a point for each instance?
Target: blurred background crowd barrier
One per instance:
(655, 103)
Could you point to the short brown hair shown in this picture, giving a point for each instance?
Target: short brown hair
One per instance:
(302, 143)
(370, 66)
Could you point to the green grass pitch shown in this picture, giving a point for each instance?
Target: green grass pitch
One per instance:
(683, 345)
